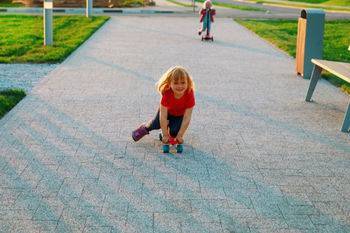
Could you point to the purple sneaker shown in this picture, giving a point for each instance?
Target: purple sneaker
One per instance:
(138, 133)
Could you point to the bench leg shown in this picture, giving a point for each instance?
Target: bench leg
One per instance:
(346, 123)
(314, 79)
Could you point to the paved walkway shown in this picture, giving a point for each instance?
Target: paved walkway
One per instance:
(257, 157)
(23, 76)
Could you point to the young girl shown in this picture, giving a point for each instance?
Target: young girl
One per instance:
(207, 17)
(175, 110)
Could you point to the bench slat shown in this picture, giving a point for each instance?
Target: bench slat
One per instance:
(340, 69)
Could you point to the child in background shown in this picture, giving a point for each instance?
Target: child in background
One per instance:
(175, 110)
(207, 17)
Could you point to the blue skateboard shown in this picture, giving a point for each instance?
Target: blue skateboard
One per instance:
(172, 143)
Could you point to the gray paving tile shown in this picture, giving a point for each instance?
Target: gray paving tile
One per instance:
(257, 158)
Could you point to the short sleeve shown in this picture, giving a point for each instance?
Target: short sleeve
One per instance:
(191, 100)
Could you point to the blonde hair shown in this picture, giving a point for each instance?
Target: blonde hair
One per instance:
(174, 73)
(207, 4)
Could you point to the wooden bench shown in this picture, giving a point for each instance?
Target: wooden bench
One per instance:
(340, 69)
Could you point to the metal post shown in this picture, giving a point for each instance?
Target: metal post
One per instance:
(314, 79)
(346, 123)
(88, 8)
(48, 35)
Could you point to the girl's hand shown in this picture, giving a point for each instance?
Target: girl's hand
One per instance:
(165, 138)
(180, 139)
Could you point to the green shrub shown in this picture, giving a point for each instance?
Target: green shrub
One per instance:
(8, 99)
(133, 2)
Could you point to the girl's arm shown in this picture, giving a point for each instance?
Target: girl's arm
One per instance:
(184, 125)
(163, 118)
(203, 13)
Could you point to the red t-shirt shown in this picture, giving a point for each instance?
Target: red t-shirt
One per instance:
(177, 107)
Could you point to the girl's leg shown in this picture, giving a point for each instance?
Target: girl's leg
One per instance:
(154, 123)
(144, 129)
(175, 124)
(204, 27)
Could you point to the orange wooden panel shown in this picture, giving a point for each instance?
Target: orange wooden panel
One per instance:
(300, 46)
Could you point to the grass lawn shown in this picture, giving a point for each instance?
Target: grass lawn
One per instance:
(326, 2)
(8, 99)
(283, 34)
(22, 37)
(244, 8)
(301, 4)
(308, 6)
(180, 3)
(21, 41)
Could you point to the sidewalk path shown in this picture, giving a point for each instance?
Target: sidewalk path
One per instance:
(23, 76)
(257, 157)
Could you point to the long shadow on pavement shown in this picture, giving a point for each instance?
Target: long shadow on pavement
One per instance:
(227, 106)
(97, 162)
